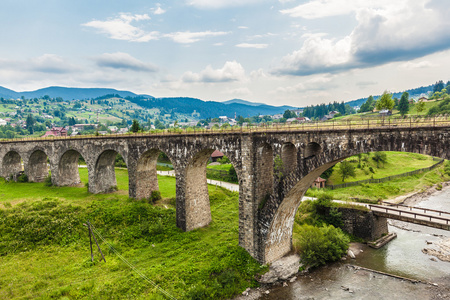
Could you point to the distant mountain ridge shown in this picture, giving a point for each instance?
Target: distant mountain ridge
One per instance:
(183, 105)
(66, 93)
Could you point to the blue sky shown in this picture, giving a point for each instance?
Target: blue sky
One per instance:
(274, 51)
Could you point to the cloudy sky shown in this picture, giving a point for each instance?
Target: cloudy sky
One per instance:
(295, 52)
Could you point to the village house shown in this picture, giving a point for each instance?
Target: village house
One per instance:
(216, 155)
(56, 131)
(385, 113)
(319, 183)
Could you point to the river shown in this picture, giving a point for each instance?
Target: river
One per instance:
(403, 257)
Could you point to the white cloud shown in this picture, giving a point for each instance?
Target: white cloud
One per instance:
(238, 92)
(124, 61)
(411, 65)
(315, 9)
(392, 33)
(231, 71)
(242, 27)
(313, 84)
(158, 10)
(215, 4)
(256, 46)
(187, 37)
(47, 63)
(120, 28)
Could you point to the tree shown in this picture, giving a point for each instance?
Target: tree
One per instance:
(420, 107)
(368, 105)
(346, 169)
(289, 114)
(30, 122)
(135, 126)
(403, 105)
(379, 157)
(385, 102)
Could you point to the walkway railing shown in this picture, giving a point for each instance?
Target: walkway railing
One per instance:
(389, 178)
(338, 125)
(406, 213)
(425, 210)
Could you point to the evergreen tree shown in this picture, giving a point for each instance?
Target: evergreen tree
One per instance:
(30, 122)
(135, 126)
(403, 105)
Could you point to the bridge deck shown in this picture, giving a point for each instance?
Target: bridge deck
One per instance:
(416, 215)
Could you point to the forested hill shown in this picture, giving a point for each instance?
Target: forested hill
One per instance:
(413, 93)
(65, 92)
(207, 109)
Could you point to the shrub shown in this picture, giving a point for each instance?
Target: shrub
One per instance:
(22, 178)
(154, 196)
(447, 167)
(318, 245)
(48, 181)
(371, 170)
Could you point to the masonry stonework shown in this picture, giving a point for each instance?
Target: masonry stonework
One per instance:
(268, 199)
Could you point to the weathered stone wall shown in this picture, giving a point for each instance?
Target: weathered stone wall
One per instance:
(265, 228)
(363, 224)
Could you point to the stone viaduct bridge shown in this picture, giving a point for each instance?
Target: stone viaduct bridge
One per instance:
(269, 192)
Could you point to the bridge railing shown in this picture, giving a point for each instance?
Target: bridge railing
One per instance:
(411, 208)
(389, 178)
(415, 215)
(330, 125)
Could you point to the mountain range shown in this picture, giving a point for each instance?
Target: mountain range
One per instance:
(182, 105)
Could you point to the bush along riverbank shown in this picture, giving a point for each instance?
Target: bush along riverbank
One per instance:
(44, 248)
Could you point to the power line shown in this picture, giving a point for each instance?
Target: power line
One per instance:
(131, 265)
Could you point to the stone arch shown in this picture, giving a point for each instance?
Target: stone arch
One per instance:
(11, 164)
(264, 172)
(312, 149)
(37, 168)
(104, 177)
(68, 173)
(146, 179)
(289, 158)
(278, 240)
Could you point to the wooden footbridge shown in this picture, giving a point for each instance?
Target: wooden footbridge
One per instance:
(417, 215)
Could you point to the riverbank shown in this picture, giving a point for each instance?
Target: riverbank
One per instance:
(396, 271)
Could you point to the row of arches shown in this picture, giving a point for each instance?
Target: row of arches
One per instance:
(193, 205)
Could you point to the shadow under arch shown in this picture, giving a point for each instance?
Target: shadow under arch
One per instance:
(147, 175)
(279, 237)
(289, 158)
(68, 173)
(104, 177)
(37, 168)
(11, 164)
(312, 149)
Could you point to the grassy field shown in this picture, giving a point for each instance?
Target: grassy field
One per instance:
(44, 247)
(390, 189)
(223, 167)
(397, 163)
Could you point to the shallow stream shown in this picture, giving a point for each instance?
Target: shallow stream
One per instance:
(403, 257)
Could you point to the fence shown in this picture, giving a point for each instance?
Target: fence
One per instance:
(384, 179)
(331, 125)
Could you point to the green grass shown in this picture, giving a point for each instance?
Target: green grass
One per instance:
(397, 163)
(223, 167)
(390, 189)
(44, 248)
